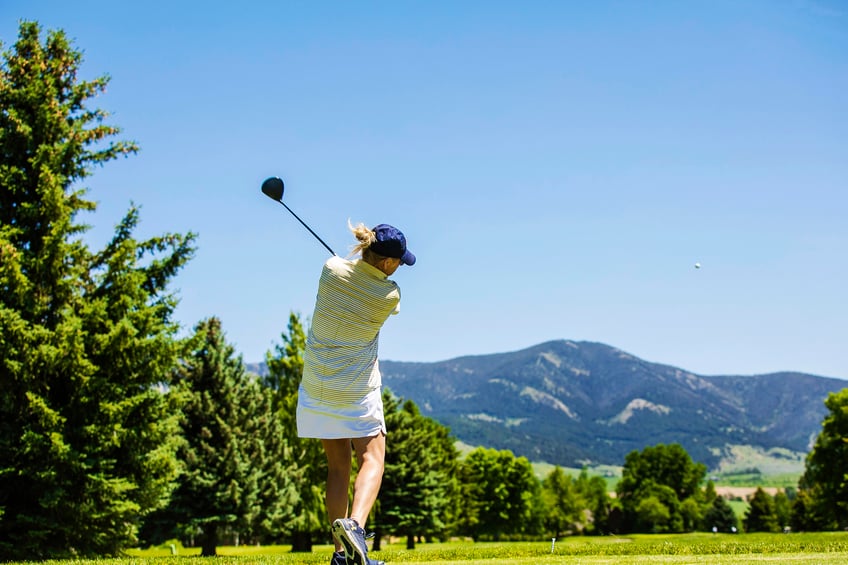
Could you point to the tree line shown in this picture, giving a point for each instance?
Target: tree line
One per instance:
(115, 432)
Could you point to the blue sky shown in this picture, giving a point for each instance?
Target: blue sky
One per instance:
(558, 167)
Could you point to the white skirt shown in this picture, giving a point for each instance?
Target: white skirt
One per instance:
(324, 420)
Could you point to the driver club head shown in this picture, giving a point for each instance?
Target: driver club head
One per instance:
(273, 188)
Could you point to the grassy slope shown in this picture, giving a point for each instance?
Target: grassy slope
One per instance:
(742, 466)
(737, 459)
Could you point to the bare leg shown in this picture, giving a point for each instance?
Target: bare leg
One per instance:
(371, 455)
(338, 478)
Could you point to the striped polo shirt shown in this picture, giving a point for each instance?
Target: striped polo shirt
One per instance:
(340, 362)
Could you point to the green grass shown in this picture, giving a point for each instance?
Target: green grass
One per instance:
(738, 459)
(782, 480)
(739, 508)
(721, 549)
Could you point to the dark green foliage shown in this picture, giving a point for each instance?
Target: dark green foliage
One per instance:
(806, 515)
(571, 505)
(499, 495)
(825, 479)
(699, 506)
(654, 485)
(658, 510)
(285, 370)
(782, 509)
(654, 511)
(419, 493)
(564, 506)
(593, 491)
(721, 517)
(87, 427)
(235, 476)
(761, 515)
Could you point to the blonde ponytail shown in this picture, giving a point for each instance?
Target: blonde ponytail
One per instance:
(364, 236)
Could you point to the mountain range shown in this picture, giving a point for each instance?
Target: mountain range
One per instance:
(575, 403)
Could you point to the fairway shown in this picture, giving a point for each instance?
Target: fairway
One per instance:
(723, 549)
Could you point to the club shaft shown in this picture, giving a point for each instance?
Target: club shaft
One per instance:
(307, 227)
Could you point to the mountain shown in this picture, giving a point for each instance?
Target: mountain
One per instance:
(572, 403)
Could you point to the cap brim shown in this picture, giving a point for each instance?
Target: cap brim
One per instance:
(408, 258)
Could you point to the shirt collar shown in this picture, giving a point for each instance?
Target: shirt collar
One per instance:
(370, 269)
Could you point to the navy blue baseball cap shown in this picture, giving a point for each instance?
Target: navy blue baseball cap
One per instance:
(391, 243)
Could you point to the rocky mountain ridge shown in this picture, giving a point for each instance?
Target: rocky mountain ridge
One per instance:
(573, 403)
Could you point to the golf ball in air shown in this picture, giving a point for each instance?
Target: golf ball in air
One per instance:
(697, 265)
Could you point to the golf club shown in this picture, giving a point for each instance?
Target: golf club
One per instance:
(273, 188)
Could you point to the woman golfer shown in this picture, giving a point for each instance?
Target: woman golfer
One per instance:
(340, 397)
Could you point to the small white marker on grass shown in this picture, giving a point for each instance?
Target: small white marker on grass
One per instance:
(553, 542)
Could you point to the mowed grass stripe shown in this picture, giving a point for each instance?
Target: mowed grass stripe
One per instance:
(721, 549)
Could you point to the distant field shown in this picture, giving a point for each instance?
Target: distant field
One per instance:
(611, 473)
(779, 481)
(740, 507)
(741, 466)
(739, 459)
(720, 549)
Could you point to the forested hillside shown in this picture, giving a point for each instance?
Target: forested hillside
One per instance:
(571, 402)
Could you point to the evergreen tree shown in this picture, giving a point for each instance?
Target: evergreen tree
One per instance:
(235, 475)
(709, 494)
(694, 508)
(761, 515)
(805, 515)
(720, 516)
(285, 371)
(87, 341)
(782, 509)
(419, 491)
(825, 477)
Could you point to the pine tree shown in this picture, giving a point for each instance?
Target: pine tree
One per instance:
(419, 490)
(783, 509)
(720, 516)
(285, 370)
(236, 469)
(87, 429)
(805, 515)
(761, 515)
